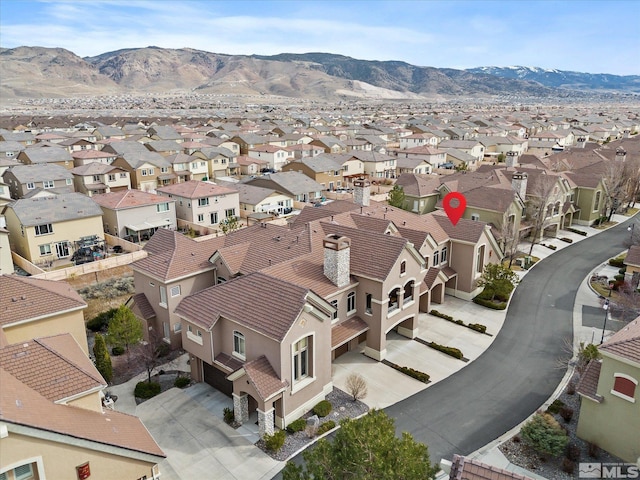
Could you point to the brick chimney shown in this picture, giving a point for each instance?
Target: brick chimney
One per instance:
(519, 184)
(361, 191)
(337, 258)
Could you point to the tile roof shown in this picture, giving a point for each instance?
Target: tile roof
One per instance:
(54, 208)
(229, 362)
(588, 385)
(342, 332)
(264, 378)
(633, 256)
(252, 304)
(471, 469)
(251, 194)
(294, 183)
(25, 298)
(39, 171)
(465, 230)
(625, 342)
(419, 185)
(22, 405)
(55, 367)
(93, 168)
(128, 199)
(140, 305)
(196, 189)
(47, 154)
(85, 154)
(491, 198)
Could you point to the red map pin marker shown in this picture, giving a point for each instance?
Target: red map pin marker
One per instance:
(454, 205)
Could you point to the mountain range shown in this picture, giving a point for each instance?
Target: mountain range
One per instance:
(37, 72)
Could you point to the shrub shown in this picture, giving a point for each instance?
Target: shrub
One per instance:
(274, 442)
(326, 426)
(549, 246)
(436, 313)
(228, 415)
(571, 388)
(566, 240)
(593, 450)
(117, 351)
(516, 439)
(579, 232)
(623, 270)
(545, 435)
(418, 375)
(323, 408)
(297, 425)
(568, 466)
(102, 358)
(182, 382)
(489, 303)
(477, 327)
(566, 413)
(146, 389)
(451, 351)
(572, 452)
(459, 322)
(101, 321)
(163, 349)
(555, 406)
(617, 262)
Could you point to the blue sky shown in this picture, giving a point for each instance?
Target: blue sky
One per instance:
(587, 36)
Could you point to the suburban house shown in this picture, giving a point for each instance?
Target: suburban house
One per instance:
(433, 156)
(461, 160)
(188, 167)
(51, 155)
(257, 200)
(610, 397)
(329, 144)
(276, 157)
(94, 178)
(472, 147)
(10, 149)
(589, 197)
(32, 307)
(295, 184)
(414, 164)
(135, 215)
(421, 192)
(23, 179)
(6, 259)
(249, 165)
(202, 203)
(377, 165)
(164, 132)
(325, 170)
(104, 132)
(89, 156)
(217, 161)
(146, 169)
(53, 227)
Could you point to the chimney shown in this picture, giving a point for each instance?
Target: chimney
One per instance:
(519, 184)
(511, 159)
(337, 257)
(361, 191)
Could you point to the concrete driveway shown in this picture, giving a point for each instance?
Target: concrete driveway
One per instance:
(188, 426)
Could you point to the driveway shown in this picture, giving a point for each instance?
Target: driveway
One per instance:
(188, 426)
(519, 371)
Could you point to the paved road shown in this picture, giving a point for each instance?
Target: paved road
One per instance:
(519, 372)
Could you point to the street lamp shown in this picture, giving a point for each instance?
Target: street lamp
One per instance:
(606, 311)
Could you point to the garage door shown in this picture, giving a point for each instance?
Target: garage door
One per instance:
(216, 378)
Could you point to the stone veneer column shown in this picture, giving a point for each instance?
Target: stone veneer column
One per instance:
(265, 422)
(241, 408)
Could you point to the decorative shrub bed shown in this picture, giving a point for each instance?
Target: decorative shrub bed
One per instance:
(326, 426)
(297, 425)
(418, 375)
(276, 441)
(490, 303)
(473, 326)
(478, 327)
(549, 246)
(147, 390)
(451, 351)
(566, 240)
(182, 382)
(579, 232)
(617, 262)
(323, 408)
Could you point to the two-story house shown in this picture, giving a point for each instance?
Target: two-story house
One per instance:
(276, 157)
(324, 169)
(51, 155)
(95, 178)
(23, 179)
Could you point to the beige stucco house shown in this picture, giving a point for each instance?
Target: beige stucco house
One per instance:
(610, 397)
(24, 179)
(95, 178)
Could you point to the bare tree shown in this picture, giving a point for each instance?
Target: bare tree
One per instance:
(632, 174)
(356, 386)
(627, 302)
(509, 239)
(151, 351)
(616, 184)
(539, 207)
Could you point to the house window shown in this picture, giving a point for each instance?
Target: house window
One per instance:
(96, 178)
(301, 359)
(43, 229)
(45, 249)
(334, 304)
(368, 310)
(230, 212)
(475, 217)
(177, 327)
(166, 330)
(596, 204)
(31, 186)
(239, 345)
(436, 258)
(443, 255)
(214, 218)
(48, 184)
(351, 302)
(164, 169)
(112, 177)
(151, 171)
(23, 472)
(403, 267)
(175, 291)
(201, 217)
(163, 296)
(68, 181)
(123, 175)
(203, 202)
(162, 207)
(480, 259)
(144, 172)
(624, 387)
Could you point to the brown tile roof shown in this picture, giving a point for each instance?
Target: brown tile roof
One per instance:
(419, 185)
(25, 298)
(588, 385)
(196, 189)
(252, 304)
(465, 230)
(625, 342)
(470, 469)
(342, 332)
(22, 405)
(491, 198)
(633, 256)
(128, 199)
(408, 220)
(141, 306)
(264, 378)
(173, 255)
(430, 279)
(48, 366)
(229, 362)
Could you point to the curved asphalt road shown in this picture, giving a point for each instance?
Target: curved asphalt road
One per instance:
(519, 371)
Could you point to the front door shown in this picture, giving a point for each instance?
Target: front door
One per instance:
(62, 249)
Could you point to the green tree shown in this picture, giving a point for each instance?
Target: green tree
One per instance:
(498, 281)
(124, 329)
(396, 196)
(229, 224)
(363, 449)
(545, 435)
(103, 359)
(586, 353)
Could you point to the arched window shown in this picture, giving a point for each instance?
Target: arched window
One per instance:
(394, 299)
(403, 267)
(408, 292)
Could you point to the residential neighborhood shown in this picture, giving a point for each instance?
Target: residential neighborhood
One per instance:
(272, 257)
